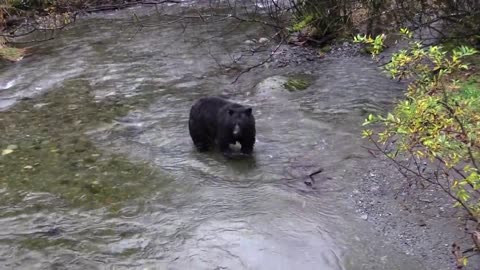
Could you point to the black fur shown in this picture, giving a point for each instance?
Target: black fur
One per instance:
(213, 120)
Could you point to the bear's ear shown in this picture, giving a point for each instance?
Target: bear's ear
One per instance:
(248, 111)
(230, 111)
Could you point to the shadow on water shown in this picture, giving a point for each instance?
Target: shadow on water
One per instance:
(162, 204)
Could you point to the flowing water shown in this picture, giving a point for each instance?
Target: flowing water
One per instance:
(103, 174)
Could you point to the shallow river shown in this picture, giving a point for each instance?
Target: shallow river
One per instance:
(103, 174)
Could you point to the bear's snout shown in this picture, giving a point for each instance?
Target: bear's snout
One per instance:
(236, 130)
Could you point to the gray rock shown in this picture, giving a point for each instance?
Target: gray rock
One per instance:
(263, 40)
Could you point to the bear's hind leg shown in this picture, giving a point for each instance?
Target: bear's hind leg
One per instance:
(201, 146)
(200, 138)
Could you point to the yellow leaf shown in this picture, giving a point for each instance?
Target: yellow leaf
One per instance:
(7, 151)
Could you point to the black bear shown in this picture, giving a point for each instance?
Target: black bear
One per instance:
(216, 120)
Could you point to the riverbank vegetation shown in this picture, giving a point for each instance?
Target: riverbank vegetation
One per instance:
(22, 17)
(439, 20)
(433, 134)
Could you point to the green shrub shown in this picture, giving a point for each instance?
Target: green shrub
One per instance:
(320, 18)
(438, 122)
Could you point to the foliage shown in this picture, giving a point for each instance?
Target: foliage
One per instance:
(7, 9)
(27, 16)
(446, 19)
(375, 46)
(320, 18)
(11, 54)
(296, 84)
(438, 123)
(302, 22)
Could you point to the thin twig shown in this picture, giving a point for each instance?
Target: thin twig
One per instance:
(259, 64)
(437, 182)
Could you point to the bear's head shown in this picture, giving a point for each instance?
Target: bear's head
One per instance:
(240, 119)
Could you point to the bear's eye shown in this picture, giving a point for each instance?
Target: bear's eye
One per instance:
(230, 112)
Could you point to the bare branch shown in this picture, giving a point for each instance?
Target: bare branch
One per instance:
(261, 63)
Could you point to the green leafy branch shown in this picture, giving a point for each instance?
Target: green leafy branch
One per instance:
(438, 122)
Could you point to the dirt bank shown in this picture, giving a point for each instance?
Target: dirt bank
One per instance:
(418, 221)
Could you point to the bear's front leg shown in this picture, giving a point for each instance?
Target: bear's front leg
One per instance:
(225, 149)
(247, 150)
(247, 147)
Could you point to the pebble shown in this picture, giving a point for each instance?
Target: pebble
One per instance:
(40, 105)
(425, 200)
(263, 40)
